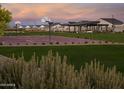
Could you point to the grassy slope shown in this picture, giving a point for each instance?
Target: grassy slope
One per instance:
(109, 55)
(114, 37)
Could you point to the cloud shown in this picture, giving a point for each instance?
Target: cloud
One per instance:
(32, 11)
(64, 11)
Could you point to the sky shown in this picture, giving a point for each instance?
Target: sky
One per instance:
(64, 12)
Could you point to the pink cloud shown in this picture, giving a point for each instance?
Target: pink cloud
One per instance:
(64, 11)
(31, 11)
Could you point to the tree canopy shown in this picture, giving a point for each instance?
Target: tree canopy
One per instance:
(5, 18)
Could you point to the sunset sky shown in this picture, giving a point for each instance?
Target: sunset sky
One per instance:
(63, 12)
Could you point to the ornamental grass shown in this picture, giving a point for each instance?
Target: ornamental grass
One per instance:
(54, 72)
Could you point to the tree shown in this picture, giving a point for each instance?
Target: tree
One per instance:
(5, 18)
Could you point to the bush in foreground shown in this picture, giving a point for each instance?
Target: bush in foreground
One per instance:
(55, 73)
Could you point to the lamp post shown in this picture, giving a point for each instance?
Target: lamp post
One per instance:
(17, 23)
(49, 23)
(45, 19)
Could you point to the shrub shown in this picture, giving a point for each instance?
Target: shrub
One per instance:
(72, 42)
(1, 43)
(18, 43)
(86, 42)
(57, 42)
(43, 43)
(10, 43)
(34, 43)
(51, 43)
(55, 73)
(106, 41)
(26, 43)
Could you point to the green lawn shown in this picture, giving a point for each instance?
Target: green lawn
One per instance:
(113, 37)
(108, 54)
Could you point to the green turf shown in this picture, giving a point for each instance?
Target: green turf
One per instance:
(108, 54)
(113, 37)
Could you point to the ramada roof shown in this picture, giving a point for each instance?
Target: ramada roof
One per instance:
(113, 21)
(84, 23)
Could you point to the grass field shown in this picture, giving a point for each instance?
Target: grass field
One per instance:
(113, 37)
(109, 54)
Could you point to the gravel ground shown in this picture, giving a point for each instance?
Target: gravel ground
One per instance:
(44, 40)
